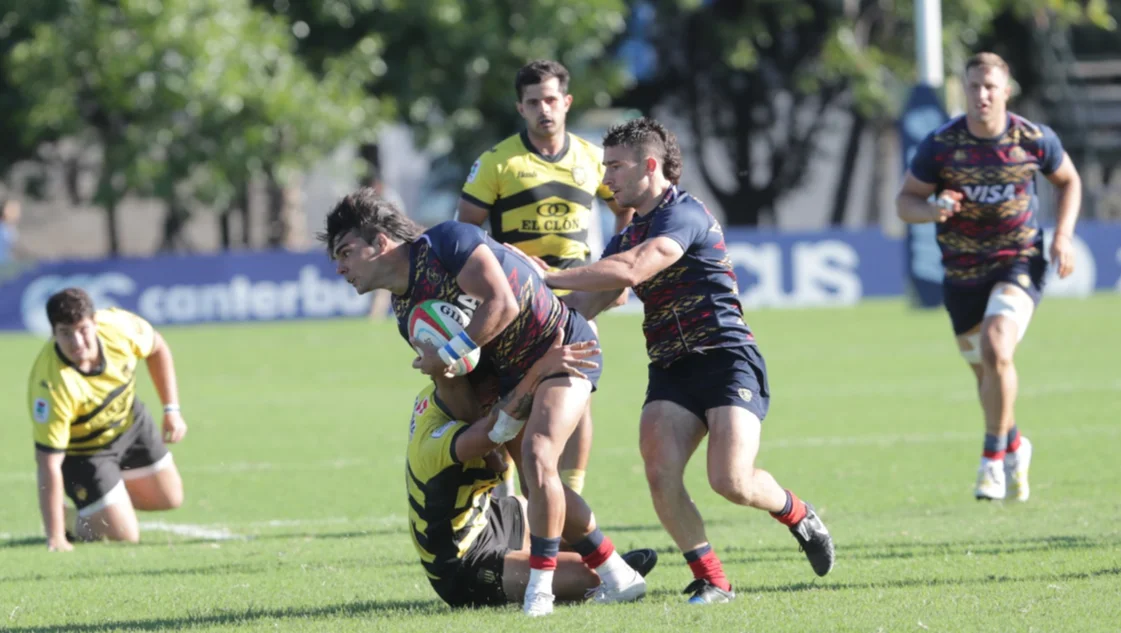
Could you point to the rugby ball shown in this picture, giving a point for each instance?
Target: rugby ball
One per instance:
(437, 322)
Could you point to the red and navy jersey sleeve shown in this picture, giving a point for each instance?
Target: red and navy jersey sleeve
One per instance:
(613, 245)
(925, 165)
(453, 242)
(1049, 149)
(687, 225)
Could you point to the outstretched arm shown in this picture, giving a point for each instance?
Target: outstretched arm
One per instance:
(621, 270)
(510, 413)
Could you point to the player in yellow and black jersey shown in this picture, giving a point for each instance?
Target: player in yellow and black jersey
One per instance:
(93, 438)
(475, 547)
(538, 189)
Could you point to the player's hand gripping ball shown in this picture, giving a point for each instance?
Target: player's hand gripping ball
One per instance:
(439, 323)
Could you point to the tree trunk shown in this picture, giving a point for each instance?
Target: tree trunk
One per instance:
(243, 206)
(173, 224)
(111, 226)
(286, 219)
(885, 159)
(224, 227)
(848, 167)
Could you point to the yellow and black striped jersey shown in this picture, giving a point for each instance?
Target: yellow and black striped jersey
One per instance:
(79, 412)
(541, 203)
(448, 500)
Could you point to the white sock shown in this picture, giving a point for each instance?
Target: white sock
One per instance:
(614, 571)
(540, 581)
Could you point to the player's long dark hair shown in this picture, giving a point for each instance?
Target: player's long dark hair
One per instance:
(367, 214)
(649, 138)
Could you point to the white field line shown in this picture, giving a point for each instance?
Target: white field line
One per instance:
(190, 531)
(245, 530)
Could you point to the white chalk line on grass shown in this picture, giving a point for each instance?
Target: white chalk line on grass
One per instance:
(201, 532)
(245, 530)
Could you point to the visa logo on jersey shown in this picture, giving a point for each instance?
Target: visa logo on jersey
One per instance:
(989, 194)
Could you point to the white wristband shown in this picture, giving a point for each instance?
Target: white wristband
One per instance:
(171, 408)
(506, 428)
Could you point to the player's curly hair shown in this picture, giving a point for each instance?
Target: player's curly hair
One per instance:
(368, 214)
(648, 138)
(67, 307)
(540, 71)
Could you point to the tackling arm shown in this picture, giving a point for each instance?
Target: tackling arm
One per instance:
(475, 442)
(590, 304)
(619, 271)
(508, 416)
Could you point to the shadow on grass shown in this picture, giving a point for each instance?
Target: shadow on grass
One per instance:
(827, 585)
(392, 608)
(918, 549)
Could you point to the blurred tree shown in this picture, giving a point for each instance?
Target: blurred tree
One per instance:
(17, 21)
(756, 81)
(187, 99)
(448, 65)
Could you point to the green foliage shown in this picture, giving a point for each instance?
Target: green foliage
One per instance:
(17, 20)
(754, 80)
(186, 97)
(448, 65)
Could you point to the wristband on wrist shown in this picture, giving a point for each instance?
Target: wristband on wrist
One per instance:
(171, 408)
(454, 350)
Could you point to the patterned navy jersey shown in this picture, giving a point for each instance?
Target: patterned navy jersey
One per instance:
(694, 304)
(997, 224)
(436, 259)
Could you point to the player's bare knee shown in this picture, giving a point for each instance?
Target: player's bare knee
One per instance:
(540, 455)
(998, 344)
(732, 486)
(173, 499)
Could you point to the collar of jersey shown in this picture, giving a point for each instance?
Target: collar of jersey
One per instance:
(555, 158)
(441, 406)
(668, 198)
(96, 370)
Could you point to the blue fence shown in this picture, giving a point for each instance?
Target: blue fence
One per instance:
(775, 270)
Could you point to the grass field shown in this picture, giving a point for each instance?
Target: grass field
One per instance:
(295, 511)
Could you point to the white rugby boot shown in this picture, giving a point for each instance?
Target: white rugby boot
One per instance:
(627, 591)
(990, 480)
(1016, 467)
(538, 604)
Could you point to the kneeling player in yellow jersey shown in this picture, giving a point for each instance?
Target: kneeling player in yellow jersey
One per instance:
(538, 189)
(93, 438)
(475, 547)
